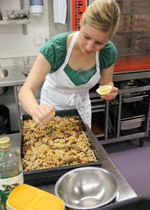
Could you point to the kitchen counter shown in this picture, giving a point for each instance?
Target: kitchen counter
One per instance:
(15, 76)
(125, 190)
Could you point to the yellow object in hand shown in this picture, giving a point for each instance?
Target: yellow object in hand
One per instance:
(104, 90)
(54, 113)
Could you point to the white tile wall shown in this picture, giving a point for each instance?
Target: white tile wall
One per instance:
(12, 41)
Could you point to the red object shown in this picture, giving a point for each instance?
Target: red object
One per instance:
(78, 7)
(134, 62)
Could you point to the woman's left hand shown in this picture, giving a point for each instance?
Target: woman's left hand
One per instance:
(111, 95)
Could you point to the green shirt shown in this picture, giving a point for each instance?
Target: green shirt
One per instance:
(55, 51)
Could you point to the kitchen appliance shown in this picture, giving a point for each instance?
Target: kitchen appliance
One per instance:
(132, 38)
(4, 120)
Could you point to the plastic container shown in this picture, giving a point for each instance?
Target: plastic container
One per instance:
(26, 197)
(36, 7)
(11, 173)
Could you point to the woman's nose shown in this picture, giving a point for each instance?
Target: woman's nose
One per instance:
(90, 46)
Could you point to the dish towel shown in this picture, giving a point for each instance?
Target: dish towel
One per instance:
(60, 10)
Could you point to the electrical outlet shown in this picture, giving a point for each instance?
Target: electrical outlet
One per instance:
(38, 40)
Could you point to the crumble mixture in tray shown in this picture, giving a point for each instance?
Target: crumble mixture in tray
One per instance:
(61, 142)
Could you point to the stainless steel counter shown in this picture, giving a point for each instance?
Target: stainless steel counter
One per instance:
(16, 77)
(125, 190)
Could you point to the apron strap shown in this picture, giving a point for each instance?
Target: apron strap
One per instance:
(97, 62)
(70, 49)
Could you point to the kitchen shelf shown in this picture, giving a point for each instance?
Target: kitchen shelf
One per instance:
(15, 16)
(14, 22)
(125, 118)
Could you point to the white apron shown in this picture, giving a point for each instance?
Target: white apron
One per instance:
(58, 90)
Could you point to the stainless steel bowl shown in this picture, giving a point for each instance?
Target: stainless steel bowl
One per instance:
(3, 74)
(86, 188)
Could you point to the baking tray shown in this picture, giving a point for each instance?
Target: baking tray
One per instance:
(131, 124)
(134, 98)
(51, 175)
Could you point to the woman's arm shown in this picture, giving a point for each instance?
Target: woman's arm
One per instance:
(40, 113)
(107, 79)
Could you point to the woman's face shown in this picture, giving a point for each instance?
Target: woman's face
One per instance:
(92, 39)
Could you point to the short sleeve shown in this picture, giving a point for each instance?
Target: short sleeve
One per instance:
(108, 55)
(55, 50)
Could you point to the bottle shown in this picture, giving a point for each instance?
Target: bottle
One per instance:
(11, 173)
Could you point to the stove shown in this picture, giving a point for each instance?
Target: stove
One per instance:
(133, 83)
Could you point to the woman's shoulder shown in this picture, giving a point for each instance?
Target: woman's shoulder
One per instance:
(55, 49)
(109, 48)
(60, 37)
(108, 55)
(58, 40)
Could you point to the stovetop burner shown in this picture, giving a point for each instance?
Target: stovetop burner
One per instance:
(133, 83)
(130, 84)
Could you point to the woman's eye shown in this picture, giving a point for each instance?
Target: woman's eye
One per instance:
(99, 43)
(86, 37)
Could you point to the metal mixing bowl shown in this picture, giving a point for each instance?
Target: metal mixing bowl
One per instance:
(87, 188)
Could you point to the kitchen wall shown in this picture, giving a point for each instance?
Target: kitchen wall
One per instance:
(12, 41)
(14, 44)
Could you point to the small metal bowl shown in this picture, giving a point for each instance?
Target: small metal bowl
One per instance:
(3, 75)
(86, 188)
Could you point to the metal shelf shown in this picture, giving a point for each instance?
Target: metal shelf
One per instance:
(14, 22)
(117, 134)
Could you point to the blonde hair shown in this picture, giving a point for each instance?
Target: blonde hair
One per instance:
(103, 15)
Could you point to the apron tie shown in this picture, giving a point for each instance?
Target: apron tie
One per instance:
(78, 100)
(82, 103)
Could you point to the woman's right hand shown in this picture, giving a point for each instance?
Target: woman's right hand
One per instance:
(43, 114)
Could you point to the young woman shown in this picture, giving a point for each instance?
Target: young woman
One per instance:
(73, 63)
